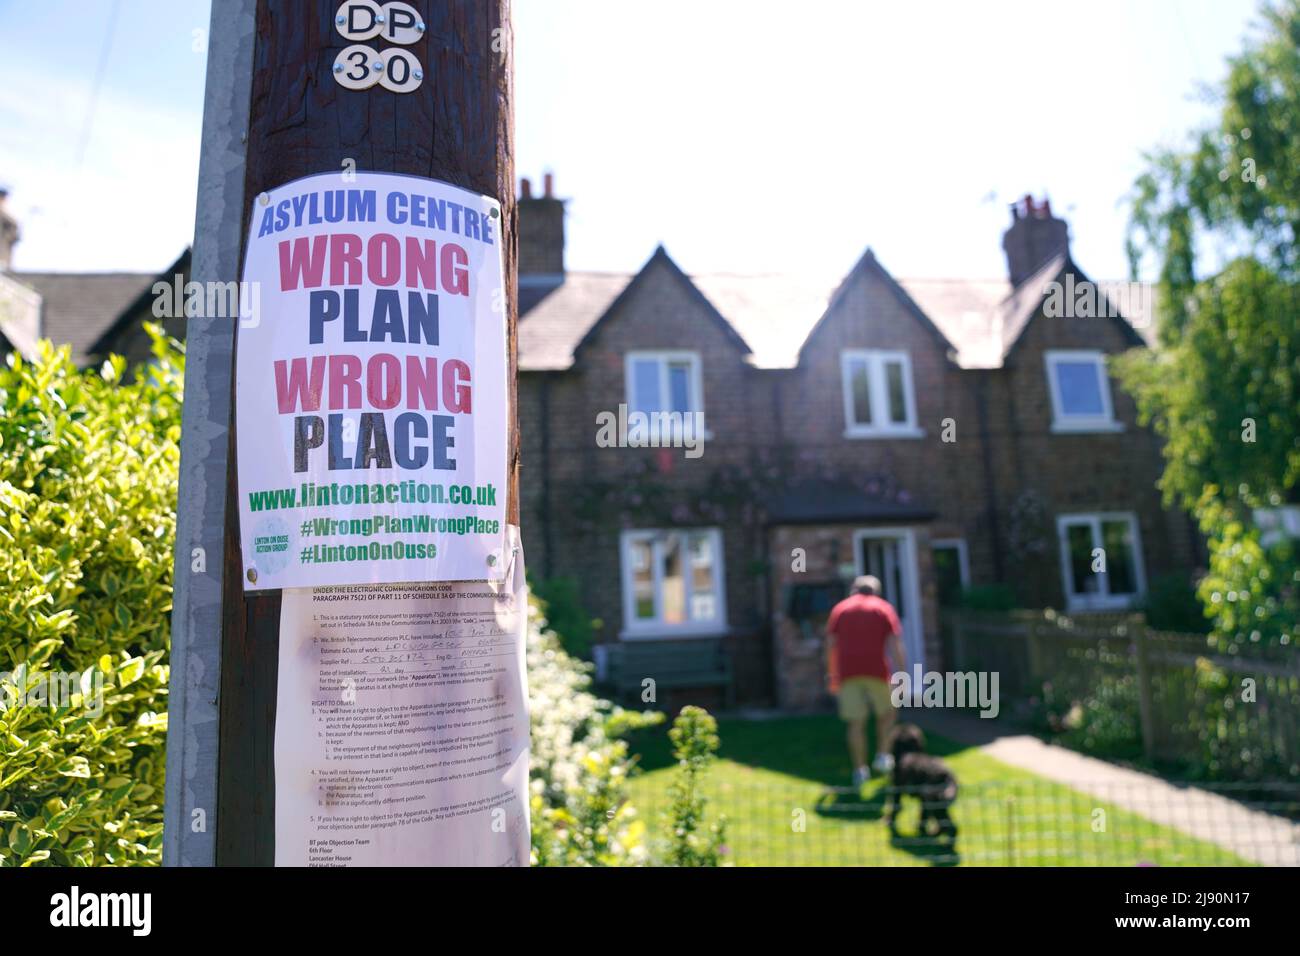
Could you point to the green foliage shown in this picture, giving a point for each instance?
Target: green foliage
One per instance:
(88, 469)
(579, 769)
(1171, 604)
(1226, 396)
(1252, 590)
(1101, 722)
(566, 616)
(989, 597)
(1226, 401)
(1223, 391)
(692, 842)
(1238, 179)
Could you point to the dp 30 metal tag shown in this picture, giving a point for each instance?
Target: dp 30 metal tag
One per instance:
(359, 67)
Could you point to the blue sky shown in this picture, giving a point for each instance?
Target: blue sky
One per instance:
(743, 140)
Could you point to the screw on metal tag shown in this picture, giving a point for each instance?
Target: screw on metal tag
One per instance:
(355, 72)
(401, 23)
(401, 71)
(358, 20)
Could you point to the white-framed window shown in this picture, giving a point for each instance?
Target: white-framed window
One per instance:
(1080, 391)
(879, 401)
(1101, 560)
(664, 382)
(951, 569)
(673, 582)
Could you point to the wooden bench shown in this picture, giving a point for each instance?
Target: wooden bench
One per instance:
(695, 662)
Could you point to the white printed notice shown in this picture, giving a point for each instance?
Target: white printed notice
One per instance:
(401, 728)
(371, 384)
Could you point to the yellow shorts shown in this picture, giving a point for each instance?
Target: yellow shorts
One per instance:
(860, 695)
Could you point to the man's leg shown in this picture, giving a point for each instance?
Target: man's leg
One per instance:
(857, 735)
(885, 719)
(883, 708)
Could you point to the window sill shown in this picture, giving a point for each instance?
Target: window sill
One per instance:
(673, 633)
(1087, 428)
(884, 433)
(1075, 605)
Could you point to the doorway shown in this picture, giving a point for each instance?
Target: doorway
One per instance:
(890, 555)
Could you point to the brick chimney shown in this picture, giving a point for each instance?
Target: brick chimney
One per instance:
(541, 231)
(1035, 237)
(9, 233)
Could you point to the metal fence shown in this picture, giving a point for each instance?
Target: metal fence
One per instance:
(1120, 689)
(1030, 822)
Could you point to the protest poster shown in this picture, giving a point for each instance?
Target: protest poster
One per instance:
(371, 384)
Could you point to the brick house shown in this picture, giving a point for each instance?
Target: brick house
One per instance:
(936, 433)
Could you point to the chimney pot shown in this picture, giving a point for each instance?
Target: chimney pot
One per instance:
(526, 188)
(541, 232)
(1034, 238)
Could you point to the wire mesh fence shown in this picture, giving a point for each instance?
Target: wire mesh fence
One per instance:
(1031, 822)
(1119, 689)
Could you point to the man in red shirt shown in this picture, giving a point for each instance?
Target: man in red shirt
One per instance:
(863, 634)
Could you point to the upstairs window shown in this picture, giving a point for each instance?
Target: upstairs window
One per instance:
(664, 382)
(1080, 392)
(878, 396)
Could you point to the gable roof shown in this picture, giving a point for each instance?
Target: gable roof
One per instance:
(661, 257)
(551, 329)
(104, 342)
(868, 265)
(1024, 302)
(977, 321)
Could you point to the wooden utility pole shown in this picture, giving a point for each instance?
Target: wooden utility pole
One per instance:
(458, 127)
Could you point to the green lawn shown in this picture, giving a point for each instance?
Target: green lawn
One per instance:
(783, 786)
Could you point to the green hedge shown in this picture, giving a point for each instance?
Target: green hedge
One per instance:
(88, 469)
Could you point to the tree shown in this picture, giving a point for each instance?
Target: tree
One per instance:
(1223, 389)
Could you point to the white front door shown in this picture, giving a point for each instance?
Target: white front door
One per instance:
(890, 555)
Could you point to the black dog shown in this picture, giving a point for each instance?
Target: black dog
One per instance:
(925, 777)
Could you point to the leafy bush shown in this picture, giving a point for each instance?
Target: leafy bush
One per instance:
(694, 736)
(579, 768)
(1101, 722)
(566, 616)
(88, 469)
